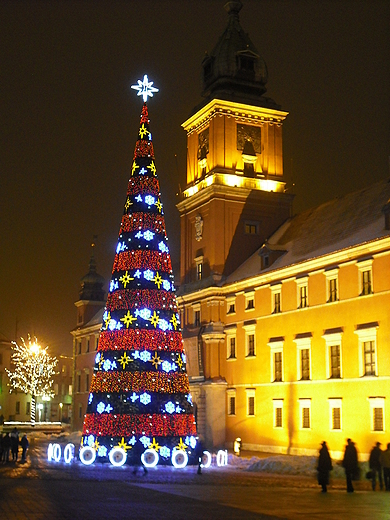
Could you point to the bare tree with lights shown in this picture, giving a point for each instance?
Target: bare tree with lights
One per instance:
(33, 371)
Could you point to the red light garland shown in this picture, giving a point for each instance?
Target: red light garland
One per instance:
(140, 382)
(142, 260)
(140, 339)
(151, 298)
(139, 221)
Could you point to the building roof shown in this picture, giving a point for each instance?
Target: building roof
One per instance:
(338, 224)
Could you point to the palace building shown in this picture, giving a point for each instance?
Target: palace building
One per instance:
(285, 318)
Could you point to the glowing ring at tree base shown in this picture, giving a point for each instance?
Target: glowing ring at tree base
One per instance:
(87, 455)
(117, 456)
(150, 458)
(205, 459)
(179, 459)
(69, 453)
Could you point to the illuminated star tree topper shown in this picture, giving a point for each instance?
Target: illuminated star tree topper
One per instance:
(145, 88)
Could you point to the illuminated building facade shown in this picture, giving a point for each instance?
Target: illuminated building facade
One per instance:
(285, 319)
(90, 307)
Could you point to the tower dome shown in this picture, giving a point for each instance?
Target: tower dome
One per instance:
(91, 285)
(234, 69)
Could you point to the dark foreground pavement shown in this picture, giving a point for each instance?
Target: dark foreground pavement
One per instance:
(39, 490)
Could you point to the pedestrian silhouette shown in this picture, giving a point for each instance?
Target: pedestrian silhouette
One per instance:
(350, 464)
(375, 465)
(324, 466)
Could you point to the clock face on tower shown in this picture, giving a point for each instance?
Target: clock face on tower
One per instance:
(198, 228)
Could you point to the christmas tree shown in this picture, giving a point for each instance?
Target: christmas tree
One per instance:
(140, 406)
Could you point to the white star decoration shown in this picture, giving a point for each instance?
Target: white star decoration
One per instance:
(145, 88)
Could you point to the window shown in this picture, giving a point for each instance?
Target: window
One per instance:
(79, 347)
(250, 402)
(367, 349)
(196, 310)
(276, 346)
(304, 409)
(333, 353)
(250, 345)
(249, 301)
(28, 408)
(250, 228)
(332, 285)
(96, 342)
(199, 268)
(231, 306)
(365, 277)
(304, 359)
(231, 402)
(250, 339)
(80, 410)
(87, 350)
(17, 407)
(78, 382)
(278, 413)
(86, 381)
(276, 291)
(70, 390)
(231, 345)
(302, 289)
(55, 388)
(335, 414)
(377, 405)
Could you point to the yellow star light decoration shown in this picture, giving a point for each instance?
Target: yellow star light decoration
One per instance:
(96, 446)
(134, 167)
(156, 360)
(157, 279)
(125, 279)
(143, 131)
(124, 360)
(159, 205)
(174, 321)
(123, 445)
(101, 361)
(152, 168)
(180, 361)
(154, 319)
(128, 204)
(128, 319)
(181, 445)
(154, 445)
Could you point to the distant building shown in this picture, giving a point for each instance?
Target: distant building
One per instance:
(90, 307)
(285, 318)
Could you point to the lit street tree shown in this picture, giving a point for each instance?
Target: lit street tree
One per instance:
(33, 371)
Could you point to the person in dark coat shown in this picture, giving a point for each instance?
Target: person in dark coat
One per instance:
(6, 447)
(24, 444)
(350, 464)
(15, 444)
(375, 465)
(385, 464)
(199, 454)
(324, 466)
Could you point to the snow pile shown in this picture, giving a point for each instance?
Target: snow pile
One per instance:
(288, 465)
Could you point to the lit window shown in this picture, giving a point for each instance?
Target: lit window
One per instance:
(304, 358)
(276, 346)
(249, 301)
(199, 267)
(304, 409)
(302, 289)
(332, 285)
(231, 346)
(250, 402)
(231, 402)
(333, 353)
(278, 413)
(276, 291)
(367, 349)
(365, 277)
(377, 407)
(335, 414)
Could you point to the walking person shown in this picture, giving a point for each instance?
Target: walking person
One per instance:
(24, 444)
(324, 466)
(199, 454)
(375, 465)
(385, 463)
(350, 464)
(6, 447)
(14, 444)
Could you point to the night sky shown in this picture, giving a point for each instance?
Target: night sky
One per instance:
(69, 121)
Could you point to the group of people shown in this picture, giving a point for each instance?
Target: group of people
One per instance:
(379, 463)
(10, 442)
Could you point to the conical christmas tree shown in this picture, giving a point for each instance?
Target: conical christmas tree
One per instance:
(140, 405)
